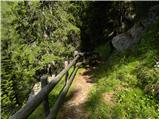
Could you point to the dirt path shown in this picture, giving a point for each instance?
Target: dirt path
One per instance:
(74, 105)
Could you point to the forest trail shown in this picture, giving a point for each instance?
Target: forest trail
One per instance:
(74, 104)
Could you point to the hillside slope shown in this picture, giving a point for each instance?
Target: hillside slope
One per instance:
(127, 83)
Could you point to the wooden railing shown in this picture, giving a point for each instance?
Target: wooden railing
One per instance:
(42, 96)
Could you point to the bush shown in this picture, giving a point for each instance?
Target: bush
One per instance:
(133, 103)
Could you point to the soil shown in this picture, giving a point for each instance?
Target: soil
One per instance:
(74, 105)
(108, 97)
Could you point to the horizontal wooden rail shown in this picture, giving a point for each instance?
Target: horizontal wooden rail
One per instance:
(60, 99)
(26, 110)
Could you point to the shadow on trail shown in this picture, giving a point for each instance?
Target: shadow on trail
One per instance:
(75, 101)
(71, 95)
(77, 112)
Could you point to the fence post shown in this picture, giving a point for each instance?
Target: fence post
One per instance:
(44, 82)
(65, 66)
(75, 54)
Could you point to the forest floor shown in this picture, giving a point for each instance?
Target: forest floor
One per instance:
(74, 105)
(123, 86)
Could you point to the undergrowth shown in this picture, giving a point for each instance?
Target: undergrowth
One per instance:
(104, 50)
(132, 78)
(39, 112)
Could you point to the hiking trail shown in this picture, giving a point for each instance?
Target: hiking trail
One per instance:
(74, 105)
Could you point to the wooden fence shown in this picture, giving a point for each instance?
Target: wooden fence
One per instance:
(42, 96)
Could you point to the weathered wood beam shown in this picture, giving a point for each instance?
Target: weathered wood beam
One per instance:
(66, 77)
(27, 109)
(46, 108)
(59, 101)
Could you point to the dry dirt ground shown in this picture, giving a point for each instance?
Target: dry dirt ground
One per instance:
(73, 107)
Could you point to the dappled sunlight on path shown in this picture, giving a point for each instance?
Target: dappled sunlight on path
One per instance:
(74, 104)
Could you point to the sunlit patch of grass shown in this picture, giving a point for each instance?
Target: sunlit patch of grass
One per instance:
(134, 71)
(133, 103)
(39, 112)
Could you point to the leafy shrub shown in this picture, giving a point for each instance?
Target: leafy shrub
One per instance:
(148, 80)
(133, 103)
(34, 34)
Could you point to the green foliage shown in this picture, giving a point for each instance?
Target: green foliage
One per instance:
(148, 80)
(104, 50)
(132, 78)
(99, 27)
(97, 108)
(133, 103)
(52, 97)
(34, 33)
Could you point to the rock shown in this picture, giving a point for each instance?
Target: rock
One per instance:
(126, 40)
(121, 42)
(135, 32)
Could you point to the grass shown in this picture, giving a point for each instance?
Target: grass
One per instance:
(104, 50)
(39, 112)
(130, 76)
(133, 80)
